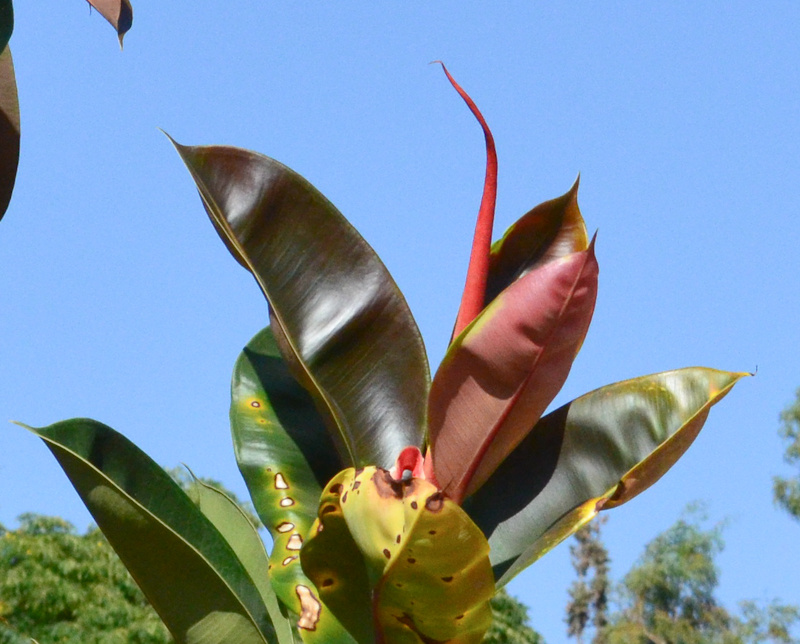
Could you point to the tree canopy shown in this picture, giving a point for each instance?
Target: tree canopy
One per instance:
(787, 490)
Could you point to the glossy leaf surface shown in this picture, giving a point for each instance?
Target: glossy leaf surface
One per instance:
(185, 567)
(422, 559)
(119, 14)
(340, 320)
(284, 453)
(236, 528)
(596, 452)
(9, 129)
(498, 377)
(551, 230)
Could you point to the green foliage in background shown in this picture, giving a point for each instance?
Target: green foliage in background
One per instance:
(670, 597)
(787, 490)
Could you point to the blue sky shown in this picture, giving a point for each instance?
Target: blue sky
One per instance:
(120, 303)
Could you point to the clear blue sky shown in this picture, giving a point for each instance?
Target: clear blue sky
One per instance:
(683, 118)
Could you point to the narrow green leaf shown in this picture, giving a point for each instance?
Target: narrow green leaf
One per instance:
(551, 230)
(9, 127)
(339, 319)
(594, 453)
(187, 570)
(236, 528)
(119, 14)
(284, 453)
(498, 377)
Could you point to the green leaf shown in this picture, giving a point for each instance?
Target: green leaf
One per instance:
(236, 528)
(339, 319)
(187, 570)
(284, 454)
(500, 374)
(416, 553)
(9, 127)
(594, 453)
(551, 230)
(119, 14)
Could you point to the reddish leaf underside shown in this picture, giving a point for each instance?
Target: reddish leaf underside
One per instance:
(118, 12)
(472, 301)
(499, 376)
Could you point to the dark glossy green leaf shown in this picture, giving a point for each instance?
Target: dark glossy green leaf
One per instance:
(9, 128)
(119, 14)
(6, 22)
(187, 570)
(284, 453)
(340, 320)
(500, 374)
(594, 453)
(551, 230)
(237, 529)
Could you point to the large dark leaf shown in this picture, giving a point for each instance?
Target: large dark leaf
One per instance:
(9, 129)
(551, 230)
(594, 453)
(340, 319)
(187, 570)
(118, 12)
(498, 377)
(284, 453)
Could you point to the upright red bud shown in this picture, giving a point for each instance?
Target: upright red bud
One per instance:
(477, 273)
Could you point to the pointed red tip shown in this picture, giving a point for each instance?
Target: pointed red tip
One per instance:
(477, 273)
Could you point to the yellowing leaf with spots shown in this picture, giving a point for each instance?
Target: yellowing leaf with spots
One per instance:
(424, 562)
(285, 455)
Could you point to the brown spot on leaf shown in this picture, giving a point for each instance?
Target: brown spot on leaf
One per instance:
(288, 560)
(326, 583)
(414, 505)
(431, 531)
(459, 616)
(310, 608)
(285, 527)
(435, 502)
(280, 482)
(336, 489)
(386, 486)
(411, 560)
(328, 509)
(447, 580)
(356, 485)
(344, 498)
(285, 503)
(398, 538)
(386, 553)
(255, 404)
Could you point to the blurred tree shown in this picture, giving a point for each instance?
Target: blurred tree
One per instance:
(589, 598)
(669, 597)
(787, 491)
(511, 624)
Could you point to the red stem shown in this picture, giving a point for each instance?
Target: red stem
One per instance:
(475, 288)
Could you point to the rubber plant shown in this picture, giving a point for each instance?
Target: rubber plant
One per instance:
(396, 505)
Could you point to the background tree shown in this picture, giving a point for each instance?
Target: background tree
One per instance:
(787, 491)
(589, 597)
(668, 597)
(511, 624)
